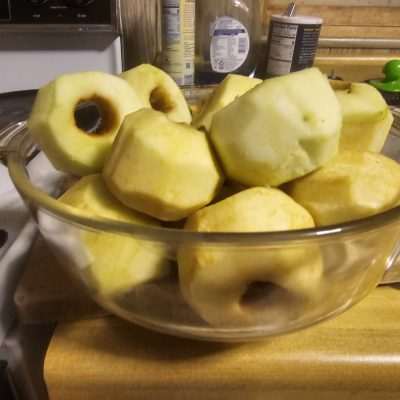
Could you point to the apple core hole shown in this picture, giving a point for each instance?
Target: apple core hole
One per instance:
(161, 100)
(95, 116)
(260, 295)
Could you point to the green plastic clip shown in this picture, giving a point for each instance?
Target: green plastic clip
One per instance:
(391, 83)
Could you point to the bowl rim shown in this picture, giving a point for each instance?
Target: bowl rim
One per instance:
(16, 162)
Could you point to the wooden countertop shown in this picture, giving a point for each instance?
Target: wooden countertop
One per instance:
(355, 356)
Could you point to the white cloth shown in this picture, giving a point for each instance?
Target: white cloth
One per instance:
(16, 221)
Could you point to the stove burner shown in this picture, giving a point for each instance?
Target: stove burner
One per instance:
(3, 237)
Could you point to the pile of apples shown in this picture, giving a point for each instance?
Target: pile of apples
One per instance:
(287, 153)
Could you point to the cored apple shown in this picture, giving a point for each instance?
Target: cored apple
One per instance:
(53, 125)
(116, 263)
(352, 186)
(161, 168)
(159, 91)
(367, 118)
(216, 280)
(284, 128)
(232, 87)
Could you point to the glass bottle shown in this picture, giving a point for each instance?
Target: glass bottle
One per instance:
(227, 40)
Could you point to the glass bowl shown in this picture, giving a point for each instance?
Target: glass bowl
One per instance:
(315, 273)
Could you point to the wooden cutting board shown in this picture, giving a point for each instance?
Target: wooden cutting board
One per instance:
(355, 356)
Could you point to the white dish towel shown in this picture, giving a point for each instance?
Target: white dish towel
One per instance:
(17, 233)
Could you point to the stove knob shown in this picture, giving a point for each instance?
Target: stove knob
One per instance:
(37, 2)
(78, 3)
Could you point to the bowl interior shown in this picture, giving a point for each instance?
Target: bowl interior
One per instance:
(334, 266)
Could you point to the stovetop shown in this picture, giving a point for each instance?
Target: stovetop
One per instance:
(22, 348)
(15, 106)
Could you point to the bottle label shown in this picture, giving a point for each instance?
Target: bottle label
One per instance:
(172, 23)
(178, 32)
(188, 23)
(291, 46)
(282, 44)
(230, 45)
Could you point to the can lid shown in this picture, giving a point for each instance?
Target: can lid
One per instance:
(298, 19)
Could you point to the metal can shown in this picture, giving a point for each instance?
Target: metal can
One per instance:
(292, 43)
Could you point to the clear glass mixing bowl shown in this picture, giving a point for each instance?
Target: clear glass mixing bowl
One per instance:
(315, 273)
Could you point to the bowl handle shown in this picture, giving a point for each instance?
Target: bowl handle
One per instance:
(6, 134)
(392, 274)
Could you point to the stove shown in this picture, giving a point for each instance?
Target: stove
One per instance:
(19, 349)
(41, 39)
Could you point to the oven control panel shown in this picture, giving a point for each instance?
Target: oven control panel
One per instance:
(99, 12)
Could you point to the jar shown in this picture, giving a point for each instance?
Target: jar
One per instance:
(227, 38)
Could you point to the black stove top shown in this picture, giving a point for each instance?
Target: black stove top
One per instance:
(15, 106)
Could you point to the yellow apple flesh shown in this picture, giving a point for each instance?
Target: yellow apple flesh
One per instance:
(352, 186)
(214, 279)
(53, 126)
(282, 129)
(159, 91)
(161, 168)
(232, 87)
(367, 118)
(117, 263)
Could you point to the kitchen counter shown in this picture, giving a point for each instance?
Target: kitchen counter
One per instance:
(354, 356)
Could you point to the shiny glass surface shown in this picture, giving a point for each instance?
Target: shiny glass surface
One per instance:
(247, 12)
(315, 273)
